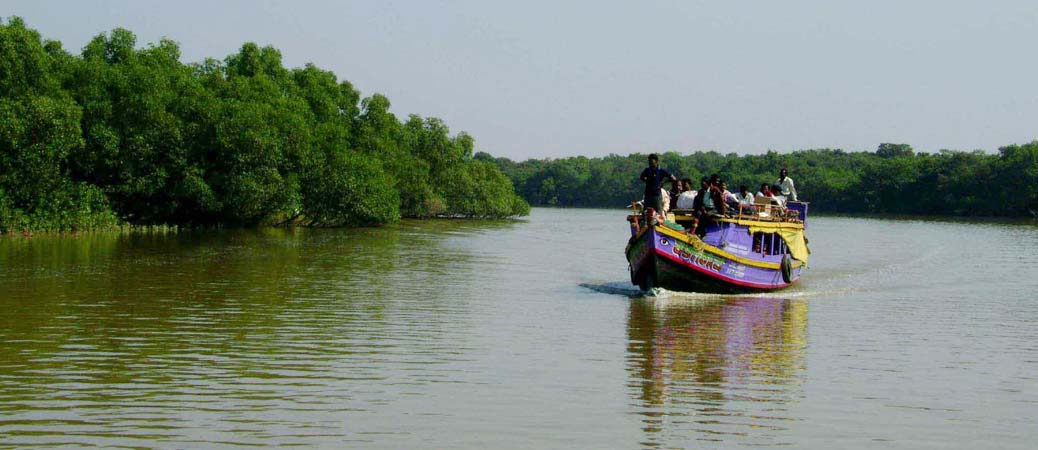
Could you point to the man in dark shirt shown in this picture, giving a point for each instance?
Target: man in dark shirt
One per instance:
(699, 206)
(653, 177)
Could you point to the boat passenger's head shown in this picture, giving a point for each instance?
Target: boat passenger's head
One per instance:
(783, 173)
(654, 160)
(743, 189)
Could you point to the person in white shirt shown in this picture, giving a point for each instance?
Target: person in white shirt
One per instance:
(745, 196)
(765, 191)
(687, 199)
(786, 187)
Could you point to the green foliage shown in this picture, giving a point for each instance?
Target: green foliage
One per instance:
(39, 128)
(349, 189)
(479, 190)
(460, 184)
(1018, 167)
(887, 150)
(894, 179)
(122, 133)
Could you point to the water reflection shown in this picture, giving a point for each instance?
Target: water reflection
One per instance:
(476, 335)
(255, 337)
(721, 369)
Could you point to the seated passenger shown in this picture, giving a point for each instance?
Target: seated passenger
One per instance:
(745, 197)
(676, 188)
(702, 199)
(710, 203)
(703, 205)
(777, 197)
(765, 191)
(730, 200)
(767, 196)
(717, 195)
(687, 199)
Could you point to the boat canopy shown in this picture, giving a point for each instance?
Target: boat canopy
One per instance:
(790, 232)
(793, 236)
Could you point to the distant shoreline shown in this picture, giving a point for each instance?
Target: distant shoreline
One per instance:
(893, 180)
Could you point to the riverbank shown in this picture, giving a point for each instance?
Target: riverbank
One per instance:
(125, 134)
(174, 229)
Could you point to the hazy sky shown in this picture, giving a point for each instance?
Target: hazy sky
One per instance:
(559, 78)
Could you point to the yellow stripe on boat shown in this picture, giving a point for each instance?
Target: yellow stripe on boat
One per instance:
(696, 242)
(764, 225)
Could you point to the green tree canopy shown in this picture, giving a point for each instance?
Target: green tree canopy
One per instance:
(132, 134)
(893, 180)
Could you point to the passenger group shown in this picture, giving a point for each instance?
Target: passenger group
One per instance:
(713, 196)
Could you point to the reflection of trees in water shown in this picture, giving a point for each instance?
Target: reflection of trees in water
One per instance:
(715, 369)
(124, 307)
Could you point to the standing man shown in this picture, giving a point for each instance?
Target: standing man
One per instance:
(786, 185)
(653, 177)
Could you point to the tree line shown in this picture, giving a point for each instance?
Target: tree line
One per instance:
(126, 135)
(894, 179)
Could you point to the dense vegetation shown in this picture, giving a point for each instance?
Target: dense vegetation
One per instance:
(120, 134)
(894, 179)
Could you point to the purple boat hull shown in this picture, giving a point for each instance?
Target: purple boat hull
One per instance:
(726, 259)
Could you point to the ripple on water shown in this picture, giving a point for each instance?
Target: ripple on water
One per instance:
(474, 335)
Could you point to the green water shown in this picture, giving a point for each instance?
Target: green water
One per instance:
(455, 334)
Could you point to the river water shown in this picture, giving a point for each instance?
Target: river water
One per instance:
(525, 334)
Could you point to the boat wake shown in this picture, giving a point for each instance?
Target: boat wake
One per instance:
(629, 290)
(616, 288)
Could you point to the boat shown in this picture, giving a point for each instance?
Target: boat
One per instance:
(753, 249)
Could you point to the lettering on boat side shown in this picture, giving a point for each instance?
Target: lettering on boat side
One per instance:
(738, 249)
(697, 257)
(735, 269)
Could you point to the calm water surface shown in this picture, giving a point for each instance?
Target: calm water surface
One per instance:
(445, 334)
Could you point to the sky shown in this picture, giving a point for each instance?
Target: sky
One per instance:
(537, 79)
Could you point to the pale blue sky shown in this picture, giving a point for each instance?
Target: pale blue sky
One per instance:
(561, 78)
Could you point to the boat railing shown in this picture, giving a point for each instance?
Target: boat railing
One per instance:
(768, 212)
(761, 212)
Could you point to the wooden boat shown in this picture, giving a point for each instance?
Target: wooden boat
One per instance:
(752, 250)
